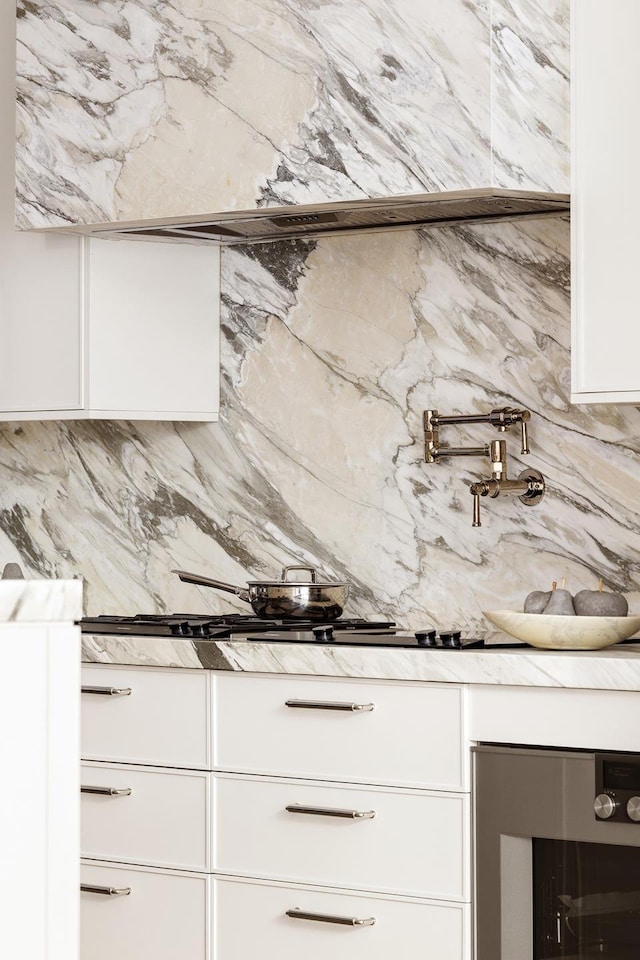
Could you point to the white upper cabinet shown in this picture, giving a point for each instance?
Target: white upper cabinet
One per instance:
(96, 329)
(135, 111)
(606, 204)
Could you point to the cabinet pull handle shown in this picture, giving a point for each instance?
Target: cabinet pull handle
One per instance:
(331, 812)
(297, 914)
(105, 891)
(108, 691)
(107, 791)
(330, 705)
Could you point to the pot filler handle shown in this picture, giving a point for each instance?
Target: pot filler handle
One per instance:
(287, 570)
(200, 581)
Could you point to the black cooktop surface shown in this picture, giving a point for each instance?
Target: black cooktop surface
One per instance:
(344, 632)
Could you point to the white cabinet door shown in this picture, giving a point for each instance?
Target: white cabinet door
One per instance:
(159, 816)
(408, 842)
(145, 715)
(153, 330)
(286, 726)
(605, 208)
(136, 913)
(39, 800)
(250, 920)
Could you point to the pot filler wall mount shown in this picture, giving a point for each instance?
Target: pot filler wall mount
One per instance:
(529, 487)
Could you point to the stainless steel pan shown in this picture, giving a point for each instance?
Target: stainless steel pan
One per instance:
(284, 599)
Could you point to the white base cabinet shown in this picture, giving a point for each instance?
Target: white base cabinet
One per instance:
(169, 787)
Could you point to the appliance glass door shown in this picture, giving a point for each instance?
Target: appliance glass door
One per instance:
(552, 882)
(586, 901)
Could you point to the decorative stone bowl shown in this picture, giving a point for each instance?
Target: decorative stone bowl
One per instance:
(550, 632)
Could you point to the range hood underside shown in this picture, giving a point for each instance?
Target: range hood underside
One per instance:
(331, 219)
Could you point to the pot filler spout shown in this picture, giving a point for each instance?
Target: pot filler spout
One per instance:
(331, 219)
(529, 486)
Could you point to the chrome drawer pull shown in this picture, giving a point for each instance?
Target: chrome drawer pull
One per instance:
(329, 918)
(108, 691)
(105, 891)
(332, 812)
(330, 705)
(107, 791)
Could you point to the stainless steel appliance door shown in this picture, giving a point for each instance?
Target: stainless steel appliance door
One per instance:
(520, 795)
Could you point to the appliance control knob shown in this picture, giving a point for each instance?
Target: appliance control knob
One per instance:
(451, 638)
(426, 638)
(604, 806)
(323, 634)
(633, 809)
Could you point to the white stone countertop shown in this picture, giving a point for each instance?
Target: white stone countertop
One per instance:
(39, 601)
(615, 668)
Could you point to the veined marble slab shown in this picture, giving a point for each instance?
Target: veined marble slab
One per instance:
(617, 668)
(36, 601)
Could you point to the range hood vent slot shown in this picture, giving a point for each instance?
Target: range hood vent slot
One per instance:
(332, 219)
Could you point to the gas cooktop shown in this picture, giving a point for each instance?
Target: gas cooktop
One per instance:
(343, 632)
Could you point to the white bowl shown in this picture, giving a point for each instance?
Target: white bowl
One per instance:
(552, 632)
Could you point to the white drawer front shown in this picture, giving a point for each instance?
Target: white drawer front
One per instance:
(163, 721)
(415, 844)
(250, 920)
(164, 917)
(411, 737)
(162, 822)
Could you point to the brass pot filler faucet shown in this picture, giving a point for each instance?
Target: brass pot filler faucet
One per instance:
(529, 486)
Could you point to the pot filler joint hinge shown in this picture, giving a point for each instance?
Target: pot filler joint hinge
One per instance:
(530, 485)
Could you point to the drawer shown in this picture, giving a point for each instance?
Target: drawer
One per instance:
(162, 822)
(165, 916)
(415, 843)
(406, 735)
(163, 720)
(250, 920)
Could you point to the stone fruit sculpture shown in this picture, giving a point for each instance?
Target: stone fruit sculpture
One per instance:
(599, 603)
(586, 603)
(560, 603)
(537, 601)
(554, 601)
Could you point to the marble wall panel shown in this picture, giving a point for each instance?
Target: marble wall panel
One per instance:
(331, 351)
(141, 108)
(530, 58)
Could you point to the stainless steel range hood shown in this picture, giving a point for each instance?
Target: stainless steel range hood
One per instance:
(352, 217)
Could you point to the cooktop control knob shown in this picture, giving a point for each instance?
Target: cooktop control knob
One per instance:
(633, 809)
(323, 634)
(604, 806)
(426, 638)
(451, 638)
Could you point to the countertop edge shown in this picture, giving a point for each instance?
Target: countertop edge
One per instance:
(610, 669)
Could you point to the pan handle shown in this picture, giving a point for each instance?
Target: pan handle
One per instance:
(216, 584)
(312, 570)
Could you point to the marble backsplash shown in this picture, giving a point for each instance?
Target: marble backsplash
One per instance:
(331, 350)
